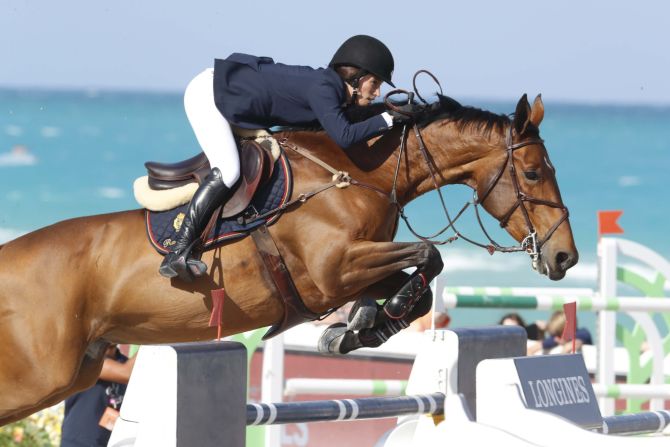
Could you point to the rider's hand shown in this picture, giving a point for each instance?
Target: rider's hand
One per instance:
(405, 113)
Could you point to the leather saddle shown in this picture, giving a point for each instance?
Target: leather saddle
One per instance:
(256, 167)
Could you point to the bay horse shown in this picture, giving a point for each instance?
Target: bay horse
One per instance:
(69, 290)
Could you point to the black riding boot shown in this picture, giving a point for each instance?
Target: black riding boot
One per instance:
(211, 194)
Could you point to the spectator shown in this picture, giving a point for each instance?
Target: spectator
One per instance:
(534, 331)
(555, 344)
(90, 414)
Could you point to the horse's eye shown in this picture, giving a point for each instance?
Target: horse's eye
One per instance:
(532, 175)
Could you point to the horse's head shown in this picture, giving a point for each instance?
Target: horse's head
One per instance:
(516, 183)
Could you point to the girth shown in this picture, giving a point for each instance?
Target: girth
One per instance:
(295, 311)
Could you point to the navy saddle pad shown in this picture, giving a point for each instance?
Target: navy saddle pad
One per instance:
(162, 226)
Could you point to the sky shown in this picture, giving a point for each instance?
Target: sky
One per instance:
(570, 51)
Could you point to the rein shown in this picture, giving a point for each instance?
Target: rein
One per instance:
(530, 244)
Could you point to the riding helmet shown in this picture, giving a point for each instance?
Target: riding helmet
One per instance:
(366, 53)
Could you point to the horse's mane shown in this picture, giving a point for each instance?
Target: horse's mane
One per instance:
(467, 117)
(443, 108)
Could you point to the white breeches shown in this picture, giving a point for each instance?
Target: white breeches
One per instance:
(211, 129)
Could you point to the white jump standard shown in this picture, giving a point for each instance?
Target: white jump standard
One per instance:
(489, 391)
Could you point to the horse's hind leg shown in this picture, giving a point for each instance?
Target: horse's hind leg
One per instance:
(86, 376)
(39, 371)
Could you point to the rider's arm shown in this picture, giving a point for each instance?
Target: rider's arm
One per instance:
(326, 104)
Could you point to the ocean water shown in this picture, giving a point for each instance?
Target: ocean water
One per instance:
(67, 154)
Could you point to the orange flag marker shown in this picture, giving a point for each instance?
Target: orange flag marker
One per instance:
(607, 222)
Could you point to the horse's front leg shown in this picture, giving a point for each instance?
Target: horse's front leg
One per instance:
(340, 338)
(388, 259)
(408, 296)
(366, 264)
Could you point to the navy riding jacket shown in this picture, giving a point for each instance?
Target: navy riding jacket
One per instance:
(255, 92)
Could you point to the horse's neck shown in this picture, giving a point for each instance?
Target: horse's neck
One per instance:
(457, 157)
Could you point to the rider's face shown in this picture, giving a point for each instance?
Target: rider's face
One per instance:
(368, 89)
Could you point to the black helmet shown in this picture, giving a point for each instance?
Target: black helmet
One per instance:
(366, 53)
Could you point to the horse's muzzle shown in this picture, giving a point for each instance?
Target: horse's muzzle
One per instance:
(555, 263)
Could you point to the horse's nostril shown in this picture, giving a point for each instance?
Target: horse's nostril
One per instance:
(561, 257)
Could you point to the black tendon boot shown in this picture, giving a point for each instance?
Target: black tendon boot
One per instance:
(211, 194)
(380, 333)
(338, 339)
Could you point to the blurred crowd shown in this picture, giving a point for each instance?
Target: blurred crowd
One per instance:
(546, 337)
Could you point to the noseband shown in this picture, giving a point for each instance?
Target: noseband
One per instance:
(530, 244)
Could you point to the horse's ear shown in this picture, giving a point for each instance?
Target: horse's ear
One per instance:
(522, 115)
(537, 111)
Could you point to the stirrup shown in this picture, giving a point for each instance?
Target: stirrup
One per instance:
(182, 265)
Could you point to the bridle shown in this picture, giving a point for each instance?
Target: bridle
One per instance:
(530, 244)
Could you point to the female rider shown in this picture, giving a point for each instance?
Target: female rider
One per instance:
(254, 93)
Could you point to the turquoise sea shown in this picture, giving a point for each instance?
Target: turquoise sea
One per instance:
(72, 153)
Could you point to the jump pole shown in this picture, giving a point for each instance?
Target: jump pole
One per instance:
(344, 409)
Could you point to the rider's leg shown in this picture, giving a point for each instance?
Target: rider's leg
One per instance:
(216, 139)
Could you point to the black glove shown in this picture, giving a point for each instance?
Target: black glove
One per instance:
(406, 113)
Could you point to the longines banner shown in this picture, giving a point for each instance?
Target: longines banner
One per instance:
(559, 384)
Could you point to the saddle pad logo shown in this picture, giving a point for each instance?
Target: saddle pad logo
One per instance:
(178, 221)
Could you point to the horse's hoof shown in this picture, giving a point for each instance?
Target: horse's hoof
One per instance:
(330, 340)
(362, 314)
(337, 339)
